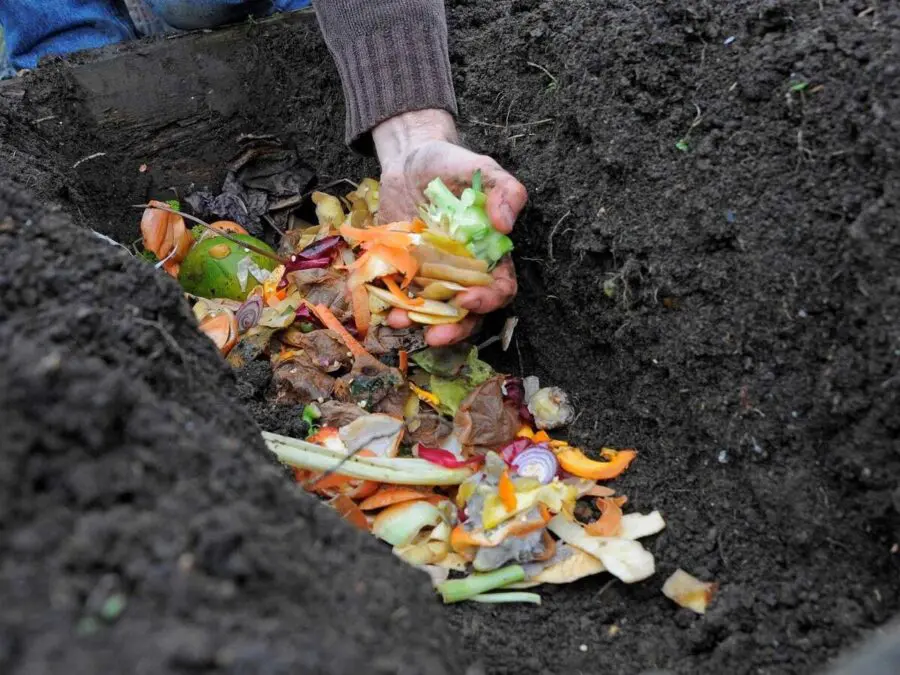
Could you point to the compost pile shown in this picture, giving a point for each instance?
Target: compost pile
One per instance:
(445, 459)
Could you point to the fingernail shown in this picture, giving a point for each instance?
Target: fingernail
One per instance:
(507, 216)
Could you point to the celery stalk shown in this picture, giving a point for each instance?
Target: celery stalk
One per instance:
(465, 219)
(457, 590)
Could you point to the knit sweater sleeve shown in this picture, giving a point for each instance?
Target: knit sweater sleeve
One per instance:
(392, 58)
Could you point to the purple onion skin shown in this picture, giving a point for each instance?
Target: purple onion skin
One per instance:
(321, 249)
(303, 313)
(249, 314)
(515, 390)
(511, 450)
(540, 456)
(295, 265)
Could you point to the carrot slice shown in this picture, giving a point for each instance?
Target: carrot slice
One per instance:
(507, 491)
(392, 286)
(349, 511)
(610, 521)
(393, 494)
(329, 320)
(362, 317)
(403, 358)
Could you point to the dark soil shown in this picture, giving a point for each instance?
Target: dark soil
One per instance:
(732, 310)
(129, 473)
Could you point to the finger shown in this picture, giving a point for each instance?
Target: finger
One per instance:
(485, 299)
(505, 199)
(448, 334)
(398, 318)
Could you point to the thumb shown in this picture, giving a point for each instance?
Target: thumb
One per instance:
(506, 197)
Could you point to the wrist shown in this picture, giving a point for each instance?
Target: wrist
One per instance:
(395, 136)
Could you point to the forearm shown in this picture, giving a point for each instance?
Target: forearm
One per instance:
(392, 58)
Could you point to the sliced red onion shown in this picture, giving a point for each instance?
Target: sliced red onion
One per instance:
(249, 313)
(514, 390)
(296, 264)
(320, 249)
(536, 462)
(446, 458)
(510, 451)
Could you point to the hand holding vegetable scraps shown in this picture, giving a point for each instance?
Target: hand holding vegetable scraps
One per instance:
(413, 149)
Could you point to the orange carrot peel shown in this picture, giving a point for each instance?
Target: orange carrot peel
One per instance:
(329, 320)
(350, 512)
(610, 521)
(392, 494)
(386, 235)
(507, 492)
(362, 317)
(392, 286)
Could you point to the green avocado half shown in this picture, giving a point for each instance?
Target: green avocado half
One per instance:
(208, 277)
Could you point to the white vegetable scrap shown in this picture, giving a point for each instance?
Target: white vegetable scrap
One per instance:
(688, 591)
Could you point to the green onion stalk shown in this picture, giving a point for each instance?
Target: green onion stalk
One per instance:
(457, 590)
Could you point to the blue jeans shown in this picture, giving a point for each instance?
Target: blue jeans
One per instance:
(36, 28)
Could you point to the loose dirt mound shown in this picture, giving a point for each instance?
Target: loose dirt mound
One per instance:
(731, 309)
(129, 473)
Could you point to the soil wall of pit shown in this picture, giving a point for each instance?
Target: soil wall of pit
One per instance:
(709, 262)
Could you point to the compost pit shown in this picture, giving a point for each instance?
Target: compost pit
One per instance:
(748, 348)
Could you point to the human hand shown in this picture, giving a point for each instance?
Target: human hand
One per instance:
(413, 149)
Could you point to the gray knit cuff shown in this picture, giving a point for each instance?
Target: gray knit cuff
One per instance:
(400, 69)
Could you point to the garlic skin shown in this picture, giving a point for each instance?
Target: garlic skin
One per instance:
(550, 408)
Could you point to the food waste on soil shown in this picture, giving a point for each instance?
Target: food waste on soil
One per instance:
(428, 448)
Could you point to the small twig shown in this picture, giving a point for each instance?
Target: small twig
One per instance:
(605, 588)
(554, 83)
(332, 184)
(89, 157)
(271, 223)
(519, 354)
(553, 232)
(109, 240)
(337, 466)
(217, 231)
(44, 119)
(511, 126)
(509, 111)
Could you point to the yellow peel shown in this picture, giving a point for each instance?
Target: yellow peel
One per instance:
(441, 290)
(432, 320)
(426, 396)
(432, 307)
